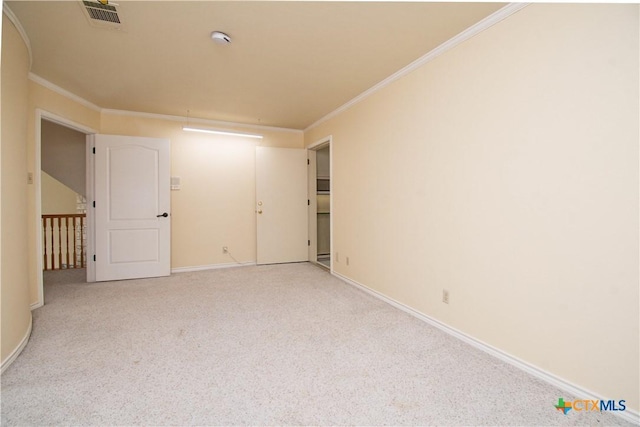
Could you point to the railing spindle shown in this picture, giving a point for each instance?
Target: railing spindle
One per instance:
(82, 241)
(44, 241)
(66, 234)
(59, 243)
(73, 223)
(75, 259)
(53, 250)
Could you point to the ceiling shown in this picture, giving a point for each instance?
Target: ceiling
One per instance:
(289, 63)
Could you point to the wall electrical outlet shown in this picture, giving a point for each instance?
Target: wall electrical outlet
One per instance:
(347, 260)
(445, 296)
(30, 178)
(225, 249)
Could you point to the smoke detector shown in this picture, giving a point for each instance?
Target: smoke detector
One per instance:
(220, 38)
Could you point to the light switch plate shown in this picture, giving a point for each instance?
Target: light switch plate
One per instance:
(175, 183)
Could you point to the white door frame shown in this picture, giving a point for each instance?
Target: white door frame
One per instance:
(313, 220)
(37, 178)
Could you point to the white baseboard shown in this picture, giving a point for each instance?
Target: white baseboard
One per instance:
(36, 305)
(574, 389)
(211, 267)
(16, 352)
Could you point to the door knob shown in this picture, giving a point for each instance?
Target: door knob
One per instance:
(260, 211)
(164, 215)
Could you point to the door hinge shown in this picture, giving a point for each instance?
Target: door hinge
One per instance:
(94, 150)
(94, 258)
(94, 203)
(308, 163)
(308, 242)
(308, 202)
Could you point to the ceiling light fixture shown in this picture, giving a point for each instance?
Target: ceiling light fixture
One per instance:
(221, 132)
(220, 37)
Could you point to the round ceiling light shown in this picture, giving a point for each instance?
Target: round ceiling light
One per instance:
(220, 38)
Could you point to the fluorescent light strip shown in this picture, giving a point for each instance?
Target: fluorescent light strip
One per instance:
(221, 132)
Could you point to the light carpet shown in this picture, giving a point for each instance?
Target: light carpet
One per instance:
(268, 345)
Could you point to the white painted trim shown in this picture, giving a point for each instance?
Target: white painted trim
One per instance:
(194, 120)
(327, 140)
(465, 35)
(52, 117)
(16, 22)
(60, 91)
(332, 215)
(212, 267)
(312, 203)
(37, 181)
(556, 381)
(55, 88)
(320, 143)
(91, 213)
(16, 351)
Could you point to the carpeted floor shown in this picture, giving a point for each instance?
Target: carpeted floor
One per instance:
(269, 345)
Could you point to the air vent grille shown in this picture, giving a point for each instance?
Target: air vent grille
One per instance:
(102, 12)
(107, 16)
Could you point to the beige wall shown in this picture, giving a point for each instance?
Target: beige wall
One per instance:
(16, 313)
(323, 163)
(48, 101)
(216, 205)
(57, 198)
(63, 155)
(511, 180)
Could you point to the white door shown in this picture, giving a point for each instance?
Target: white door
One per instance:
(312, 218)
(132, 222)
(281, 205)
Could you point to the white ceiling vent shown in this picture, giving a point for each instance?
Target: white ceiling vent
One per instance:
(103, 15)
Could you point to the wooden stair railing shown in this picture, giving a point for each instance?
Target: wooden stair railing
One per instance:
(64, 241)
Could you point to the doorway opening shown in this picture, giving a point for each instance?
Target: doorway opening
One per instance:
(62, 228)
(63, 197)
(320, 219)
(323, 203)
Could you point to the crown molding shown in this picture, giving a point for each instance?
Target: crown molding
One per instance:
(470, 32)
(60, 91)
(195, 120)
(16, 22)
(465, 35)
